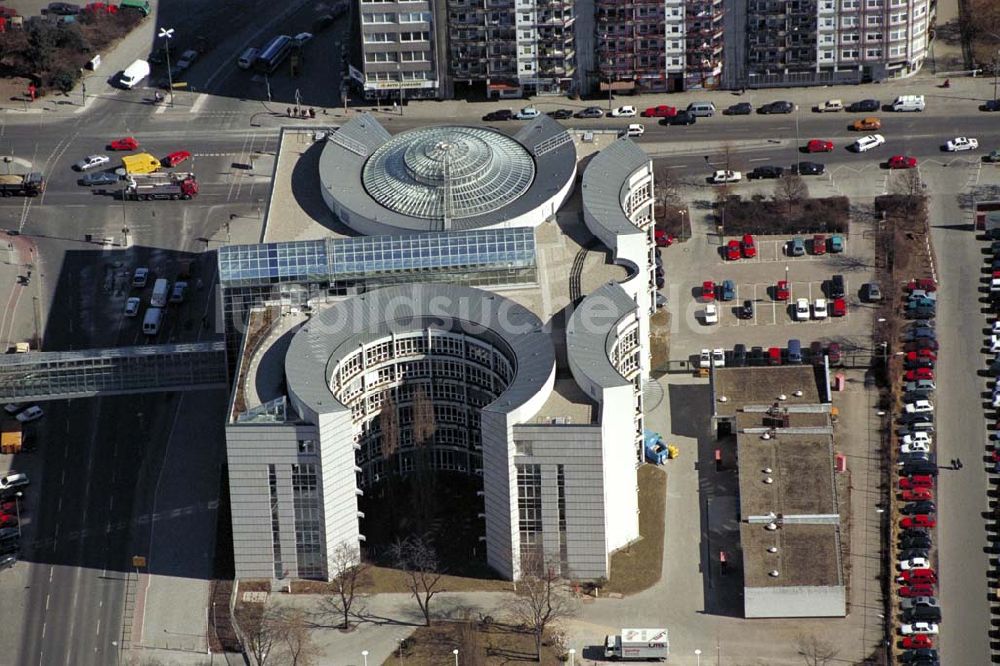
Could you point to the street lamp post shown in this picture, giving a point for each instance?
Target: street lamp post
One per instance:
(455, 652)
(167, 34)
(572, 657)
(364, 655)
(697, 653)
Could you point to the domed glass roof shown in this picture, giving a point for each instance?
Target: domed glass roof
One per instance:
(448, 173)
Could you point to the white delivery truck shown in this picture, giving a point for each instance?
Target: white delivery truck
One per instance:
(151, 321)
(135, 73)
(161, 291)
(637, 645)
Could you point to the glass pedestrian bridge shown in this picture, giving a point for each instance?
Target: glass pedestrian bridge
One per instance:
(87, 373)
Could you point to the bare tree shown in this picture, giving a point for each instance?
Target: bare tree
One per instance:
(791, 190)
(666, 186)
(299, 649)
(419, 561)
(911, 188)
(470, 644)
(349, 577)
(543, 599)
(262, 627)
(815, 651)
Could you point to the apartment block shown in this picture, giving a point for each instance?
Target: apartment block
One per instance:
(816, 42)
(398, 56)
(705, 43)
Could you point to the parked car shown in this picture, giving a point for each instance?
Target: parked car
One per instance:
(624, 112)
(748, 247)
(838, 308)
(766, 172)
(925, 575)
(960, 143)
(837, 244)
(809, 169)
(501, 114)
(921, 284)
(139, 277)
(708, 290)
(560, 114)
(528, 113)
(125, 143)
(711, 314)
(302, 38)
(918, 406)
(917, 641)
(917, 590)
(32, 413)
(917, 481)
(919, 628)
(819, 308)
(63, 9)
(920, 507)
(726, 176)
(833, 353)
(188, 58)
(746, 310)
(919, 520)
(740, 109)
(733, 250)
(781, 291)
(681, 118)
(865, 106)
(914, 563)
(796, 247)
(801, 311)
(132, 305)
(14, 481)
(728, 290)
(916, 495)
(91, 161)
(776, 107)
(819, 244)
(591, 112)
(902, 162)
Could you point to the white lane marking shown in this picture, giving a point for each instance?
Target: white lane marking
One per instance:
(198, 103)
(48, 598)
(160, 109)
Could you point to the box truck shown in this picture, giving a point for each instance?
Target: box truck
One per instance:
(134, 73)
(637, 645)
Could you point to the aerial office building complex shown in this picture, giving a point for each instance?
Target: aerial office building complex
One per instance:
(346, 344)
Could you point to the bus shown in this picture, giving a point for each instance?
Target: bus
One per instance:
(271, 55)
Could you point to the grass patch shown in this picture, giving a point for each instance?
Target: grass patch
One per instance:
(478, 644)
(659, 339)
(765, 216)
(637, 567)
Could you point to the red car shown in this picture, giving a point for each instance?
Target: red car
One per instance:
(173, 159)
(708, 290)
(925, 284)
(919, 373)
(918, 641)
(917, 494)
(127, 143)
(663, 239)
(7, 520)
(921, 590)
(819, 244)
(926, 576)
(902, 162)
(916, 481)
(749, 248)
(733, 250)
(923, 343)
(819, 146)
(661, 111)
(919, 520)
(921, 353)
(839, 307)
(781, 291)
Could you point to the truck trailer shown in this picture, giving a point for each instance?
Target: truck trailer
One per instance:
(637, 645)
(26, 185)
(139, 188)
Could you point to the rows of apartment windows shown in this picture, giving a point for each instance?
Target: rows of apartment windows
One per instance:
(392, 56)
(391, 37)
(396, 17)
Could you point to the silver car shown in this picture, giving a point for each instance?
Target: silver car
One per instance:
(91, 161)
(99, 178)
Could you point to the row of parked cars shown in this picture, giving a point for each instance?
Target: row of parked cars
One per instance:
(917, 466)
(12, 489)
(792, 354)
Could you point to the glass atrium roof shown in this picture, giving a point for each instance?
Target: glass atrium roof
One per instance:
(330, 259)
(448, 173)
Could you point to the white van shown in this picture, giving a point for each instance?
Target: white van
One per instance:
(135, 73)
(635, 129)
(161, 291)
(247, 58)
(151, 321)
(908, 103)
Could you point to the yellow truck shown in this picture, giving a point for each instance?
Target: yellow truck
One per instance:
(10, 437)
(140, 163)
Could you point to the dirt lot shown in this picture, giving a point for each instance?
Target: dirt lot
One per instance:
(478, 645)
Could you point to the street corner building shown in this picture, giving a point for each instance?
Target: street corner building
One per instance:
(465, 293)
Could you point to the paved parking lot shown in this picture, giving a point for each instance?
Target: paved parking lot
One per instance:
(699, 259)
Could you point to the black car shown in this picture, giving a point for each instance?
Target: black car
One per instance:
(767, 171)
(809, 169)
(922, 614)
(915, 532)
(924, 467)
(756, 356)
(741, 109)
(591, 112)
(913, 508)
(865, 106)
(916, 655)
(682, 118)
(917, 418)
(915, 542)
(992, 105)
(835, 287)
(560, 114)
(921, 313)
(777, 107)
(746, 310)
(739, 355)
(63, 9)
(502, 114)
(910, 553)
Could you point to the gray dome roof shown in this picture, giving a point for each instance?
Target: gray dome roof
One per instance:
(448, 173)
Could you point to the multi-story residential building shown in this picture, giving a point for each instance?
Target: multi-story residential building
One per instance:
(810, 42)
(398, 56)
(704, 32)
(633, 38)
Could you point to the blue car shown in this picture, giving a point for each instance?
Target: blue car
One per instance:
(836, 243)
(728, 290)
